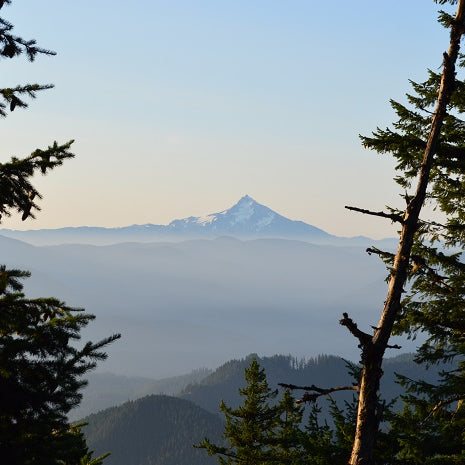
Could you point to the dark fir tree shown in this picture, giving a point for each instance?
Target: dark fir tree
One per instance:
(329, 444)
(288, 447)
(40, 375)
(249, 429)
(261, 430)
(41, 366)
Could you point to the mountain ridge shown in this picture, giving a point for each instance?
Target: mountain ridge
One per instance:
(246, 219)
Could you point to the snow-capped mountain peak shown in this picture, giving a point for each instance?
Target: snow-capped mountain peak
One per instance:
(245, 218)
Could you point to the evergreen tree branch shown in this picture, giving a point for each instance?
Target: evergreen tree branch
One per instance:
(4, 2)
(12, 45)
(10, 96)
(16, 190)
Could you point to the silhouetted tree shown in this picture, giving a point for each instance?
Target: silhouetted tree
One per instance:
(41, 367)
(16, 190)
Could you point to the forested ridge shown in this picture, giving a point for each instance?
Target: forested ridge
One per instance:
(154, 430)
(323, 370)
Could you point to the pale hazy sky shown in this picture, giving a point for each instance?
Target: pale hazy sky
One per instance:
(181, 107)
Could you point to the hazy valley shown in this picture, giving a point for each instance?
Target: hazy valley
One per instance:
(197, 303)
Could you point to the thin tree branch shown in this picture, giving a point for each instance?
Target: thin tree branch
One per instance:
(443, 403)
(392, 216)
(395, 346)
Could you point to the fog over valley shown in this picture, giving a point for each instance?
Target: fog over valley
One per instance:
(197, 303)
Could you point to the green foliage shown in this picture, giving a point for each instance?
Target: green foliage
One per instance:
(289, 438)
(250, 428)
(265, 430)
(40, 371)
(16, 190)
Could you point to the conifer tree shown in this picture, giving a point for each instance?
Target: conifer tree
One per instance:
(41, 366)
(40, 374)
(261, 430)
(288, 447)
(249, 428)
(427, 142)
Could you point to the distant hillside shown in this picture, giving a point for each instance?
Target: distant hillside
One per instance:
(108, 390)
(154, 430)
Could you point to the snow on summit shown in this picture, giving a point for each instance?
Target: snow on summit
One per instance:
(246, 218)
(242, 211)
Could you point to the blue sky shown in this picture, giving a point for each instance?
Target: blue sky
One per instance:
(182, 107)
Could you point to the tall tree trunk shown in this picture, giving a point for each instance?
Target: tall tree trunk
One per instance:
(373, 348)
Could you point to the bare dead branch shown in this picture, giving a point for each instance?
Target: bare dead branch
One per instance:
(313, 396)
(364, 338)
(379, 252)
(392, 216)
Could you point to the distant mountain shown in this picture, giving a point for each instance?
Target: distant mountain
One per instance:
(246, 219)
(154, 430)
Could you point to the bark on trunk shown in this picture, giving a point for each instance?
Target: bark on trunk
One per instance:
(368, 416)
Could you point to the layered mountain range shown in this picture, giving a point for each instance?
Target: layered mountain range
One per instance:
(247, 219)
